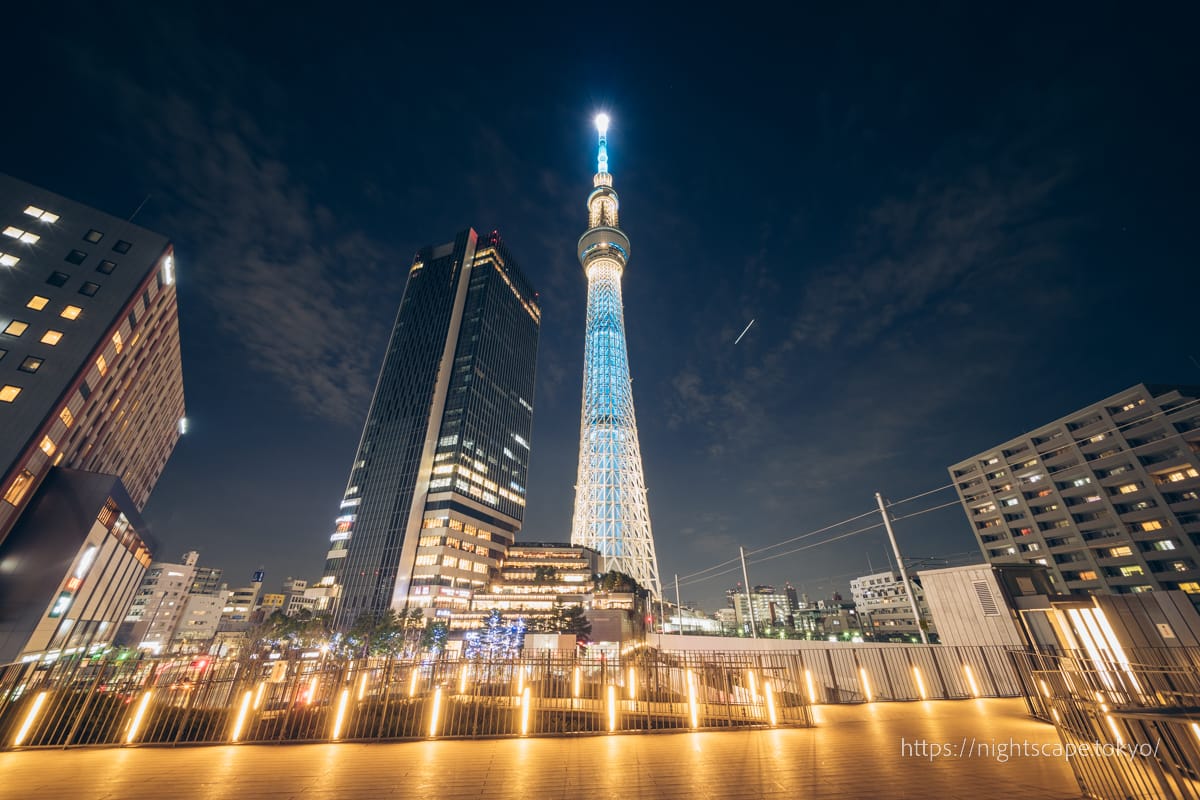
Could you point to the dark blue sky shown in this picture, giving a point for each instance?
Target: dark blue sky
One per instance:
(950, 224)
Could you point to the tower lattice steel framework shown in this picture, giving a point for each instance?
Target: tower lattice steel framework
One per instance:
(611, 513)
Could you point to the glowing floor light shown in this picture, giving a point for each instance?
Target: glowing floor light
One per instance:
(362, 686)
(437, 712)
(340, 717)
(520, 680)
(525, 703)
(612, 708)
(462, 679)
(136, 725)
(752, 683)
(578, 681)
(1112, 726)
(313, 685)
(812, 690)
(920, 683)
(971, 680)
(866, 684)
(770, 703)
(692, 707)
(1196, 729)
(632, 684)
(1045, 688)
(412, 683)
(240, 721)
(258, 694)
(36, 709)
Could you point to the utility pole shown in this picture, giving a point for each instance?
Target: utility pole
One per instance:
(749, 600)
(912, 595)
(678, 605)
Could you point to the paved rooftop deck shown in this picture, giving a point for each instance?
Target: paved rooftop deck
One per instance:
(855, 752)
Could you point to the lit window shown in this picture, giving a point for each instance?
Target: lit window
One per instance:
(9, 393)
(1129, 572)
(16, 327)
(89, 289)
(37, 302)
(1087, 575)
(52, 337)
(102, 365)
(1128, 488)
(1152, 525)
(93, 236)
(44, 216)
(20, 485)
(20, 235)
(76, 257)
(66, 416)
(47, 446)
(119, 343)
(70, 312)
(8, 260)
(1118, 552)
(1191, 587)
(31, 364)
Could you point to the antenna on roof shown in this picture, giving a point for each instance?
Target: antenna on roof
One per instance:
(139, 208)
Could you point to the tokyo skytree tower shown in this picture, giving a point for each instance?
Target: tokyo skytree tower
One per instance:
(611, 515)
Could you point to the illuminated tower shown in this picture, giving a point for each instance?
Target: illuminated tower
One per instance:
(611, 515)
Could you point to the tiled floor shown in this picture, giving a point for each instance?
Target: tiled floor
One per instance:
(854, 752)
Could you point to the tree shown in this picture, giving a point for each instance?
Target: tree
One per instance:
(615, 581)
(544, 574)
(434, 637)
(376, 633)
(574, 621)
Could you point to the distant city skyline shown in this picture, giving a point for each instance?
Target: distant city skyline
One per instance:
(948, 230)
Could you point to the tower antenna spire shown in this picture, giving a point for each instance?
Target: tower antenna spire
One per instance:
(602, 154)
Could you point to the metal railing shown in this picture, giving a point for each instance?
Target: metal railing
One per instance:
(194, 700)
(1130, 725)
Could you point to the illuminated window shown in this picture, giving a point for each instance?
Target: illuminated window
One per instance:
(20, 235)
(37, 302)
(31, 364)
(66, 416)
(47, 446)
(106, 267)
(8, 260)
(119, 343)
(1118, 552)
(1164, 544)
(89, 289)
(9, 393)
(93, 236)
(1179, 475)
(44, 216)
(1087, 575)
(1152, 525)
(71, 312)
(1128, 488)
(16, 327)
(76, 257)
(1129, 572)
(52, 337)
(20, 485)
(1191, 587)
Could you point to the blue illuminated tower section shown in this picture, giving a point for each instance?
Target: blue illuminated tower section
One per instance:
(611, 514)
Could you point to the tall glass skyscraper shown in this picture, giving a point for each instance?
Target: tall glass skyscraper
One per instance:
(437, 490)
(611, 513)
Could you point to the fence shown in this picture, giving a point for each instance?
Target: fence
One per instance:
(1130, 721)
(197, 700)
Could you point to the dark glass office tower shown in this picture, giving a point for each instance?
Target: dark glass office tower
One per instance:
(437, 489)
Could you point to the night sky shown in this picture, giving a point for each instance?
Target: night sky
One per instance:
(950, 224)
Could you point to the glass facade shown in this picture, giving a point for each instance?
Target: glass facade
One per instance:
(437, 489)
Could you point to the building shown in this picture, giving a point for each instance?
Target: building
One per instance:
(69, 567)
(611, 513)
(242, 606)
(1106, 498)
(436, 493)
(207, 580)
(90, 372)
(157, 608)
(535, 581)
(885, 609)
(971, 605)
(769, 610)
(199, 621)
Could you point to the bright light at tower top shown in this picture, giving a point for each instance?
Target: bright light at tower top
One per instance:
(602, 123)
